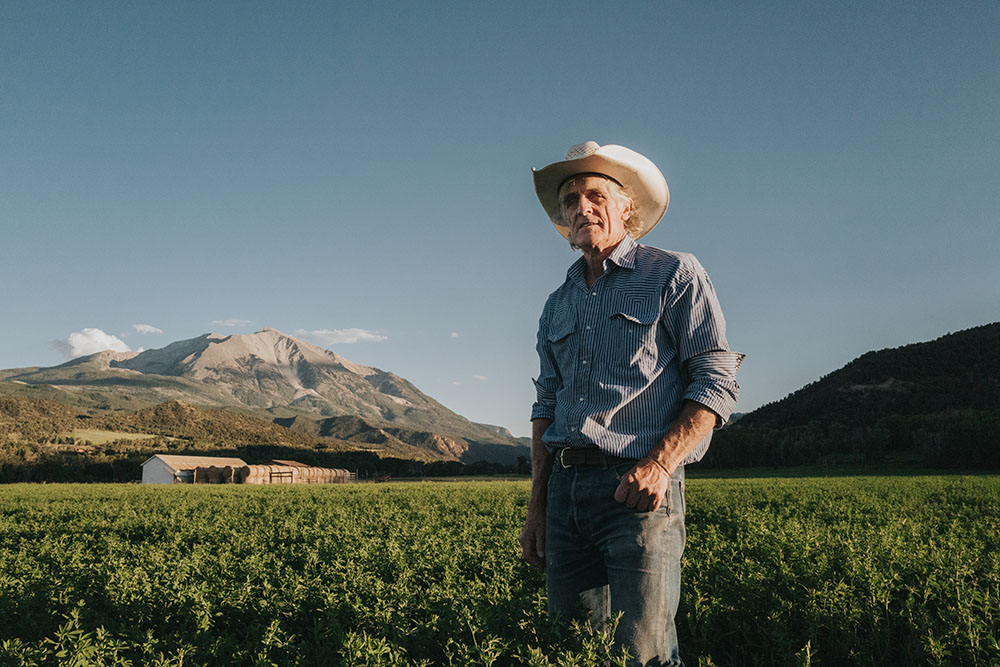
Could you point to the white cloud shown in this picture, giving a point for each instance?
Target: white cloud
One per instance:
(89, 341)
(146, 329)
(230, 323)
(456, 382)
(333, 336)
(479, 377)
(454, 334)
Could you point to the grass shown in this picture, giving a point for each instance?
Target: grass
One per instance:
(865, 570)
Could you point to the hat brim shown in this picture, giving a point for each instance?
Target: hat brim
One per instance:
(637, 173)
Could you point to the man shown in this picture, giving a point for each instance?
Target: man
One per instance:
(635, 372)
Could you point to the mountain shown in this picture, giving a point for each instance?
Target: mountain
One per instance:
(353, 429)
(935, 402)
(268, 374)
(958, 371)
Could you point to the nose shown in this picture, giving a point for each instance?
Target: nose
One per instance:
(582, 202)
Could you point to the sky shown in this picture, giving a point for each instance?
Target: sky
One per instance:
(358, 174)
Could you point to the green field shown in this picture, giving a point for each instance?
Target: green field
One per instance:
(833, 571)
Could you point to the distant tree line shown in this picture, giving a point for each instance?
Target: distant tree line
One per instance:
(121, 461)
(968, 439)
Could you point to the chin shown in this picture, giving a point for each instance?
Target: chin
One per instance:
(587, 240)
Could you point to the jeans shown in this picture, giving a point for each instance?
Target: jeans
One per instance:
(603, 558)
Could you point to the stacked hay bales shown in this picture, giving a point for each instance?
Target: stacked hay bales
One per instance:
(267, 474)
(213, 475)
(285, 474)
(314, 475)
(271, 474)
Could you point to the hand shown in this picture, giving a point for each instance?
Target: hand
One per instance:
(533, 539)
(643, 487)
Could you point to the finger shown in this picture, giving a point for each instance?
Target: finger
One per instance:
(533, 547)
(634, 490)
(647, 501)
(530, 557)
(655, 504)
(642, 503)
(621, 493)
(633, 496)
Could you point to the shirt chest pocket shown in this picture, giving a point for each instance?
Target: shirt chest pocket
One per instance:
(562, 342)
(633, 322)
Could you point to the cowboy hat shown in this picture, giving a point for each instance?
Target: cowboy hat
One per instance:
(640, 178)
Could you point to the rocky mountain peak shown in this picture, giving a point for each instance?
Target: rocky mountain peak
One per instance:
(266, 372)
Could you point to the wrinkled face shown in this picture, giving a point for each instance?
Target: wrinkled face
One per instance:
(595, 215)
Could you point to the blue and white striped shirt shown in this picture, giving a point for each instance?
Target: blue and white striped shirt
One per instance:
(618, 358)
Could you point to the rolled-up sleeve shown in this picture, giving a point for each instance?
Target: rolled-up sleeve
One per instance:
(548, 380)
(695, 322)
(713, 381)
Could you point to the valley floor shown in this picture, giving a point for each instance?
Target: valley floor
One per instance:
(848, 570)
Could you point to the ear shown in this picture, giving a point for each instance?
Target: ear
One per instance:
(627, 211)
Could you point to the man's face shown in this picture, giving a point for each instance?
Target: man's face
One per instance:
(596, 217)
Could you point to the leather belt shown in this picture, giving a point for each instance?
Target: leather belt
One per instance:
(586, 457)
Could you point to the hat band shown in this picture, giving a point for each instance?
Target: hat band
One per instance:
(588, 173)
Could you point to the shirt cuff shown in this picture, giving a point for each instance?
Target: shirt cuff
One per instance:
(541, 411)
(719, 396)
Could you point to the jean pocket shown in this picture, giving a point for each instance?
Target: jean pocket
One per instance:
(621, 469)
(677, 493)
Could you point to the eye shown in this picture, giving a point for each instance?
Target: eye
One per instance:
(569, 200)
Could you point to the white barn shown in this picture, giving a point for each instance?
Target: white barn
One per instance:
(176, 469)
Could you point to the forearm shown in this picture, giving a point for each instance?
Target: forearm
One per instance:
(541, 464)
(692, 426)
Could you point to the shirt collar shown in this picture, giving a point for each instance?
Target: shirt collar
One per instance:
(624, 253)
(622, 256)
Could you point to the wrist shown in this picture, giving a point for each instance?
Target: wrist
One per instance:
(659, 465)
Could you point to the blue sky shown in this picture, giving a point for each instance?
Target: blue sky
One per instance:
(327, 167)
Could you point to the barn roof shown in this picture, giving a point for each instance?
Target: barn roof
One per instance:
(294, 464)
(179, 462)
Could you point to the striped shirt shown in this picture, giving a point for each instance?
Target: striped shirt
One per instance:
(619, 357)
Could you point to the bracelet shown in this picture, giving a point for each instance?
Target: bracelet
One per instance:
(662, 467)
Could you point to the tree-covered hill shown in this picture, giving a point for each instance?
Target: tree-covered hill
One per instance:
(935, 403)
(959, 371)
(31, 419)
(224, 427)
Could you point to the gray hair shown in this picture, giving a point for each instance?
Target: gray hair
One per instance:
(618, 192)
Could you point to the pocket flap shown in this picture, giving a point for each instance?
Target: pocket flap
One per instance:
(560, 328)
(637, 308)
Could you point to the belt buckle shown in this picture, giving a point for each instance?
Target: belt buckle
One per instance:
(562, 460)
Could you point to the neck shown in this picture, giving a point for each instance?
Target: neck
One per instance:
(594, 259)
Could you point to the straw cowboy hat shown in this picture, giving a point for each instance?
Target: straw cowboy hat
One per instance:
(640, 177)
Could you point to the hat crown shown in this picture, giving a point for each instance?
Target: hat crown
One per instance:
(582, 150)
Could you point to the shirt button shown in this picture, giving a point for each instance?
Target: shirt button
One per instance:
(581, 399)
(593, 294)
(588, 327)
(572, 428)
(584, 362)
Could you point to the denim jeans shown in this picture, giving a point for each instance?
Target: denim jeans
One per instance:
(602, 558)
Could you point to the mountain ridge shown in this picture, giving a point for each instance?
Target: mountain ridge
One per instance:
(959, 370)
(934, 402)
(272, 375)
